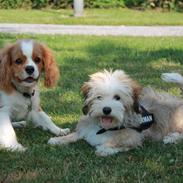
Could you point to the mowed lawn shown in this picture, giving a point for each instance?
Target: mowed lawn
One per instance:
(144, 59)
(121, 16)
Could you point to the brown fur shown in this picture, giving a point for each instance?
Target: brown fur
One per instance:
(85, 89)
(50, 67)
(5, 69)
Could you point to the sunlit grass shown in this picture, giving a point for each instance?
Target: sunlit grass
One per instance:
(92, 16)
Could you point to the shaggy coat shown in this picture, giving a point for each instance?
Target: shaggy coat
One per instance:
(112, 100)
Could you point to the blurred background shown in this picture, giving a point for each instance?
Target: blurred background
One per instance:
(57, 4)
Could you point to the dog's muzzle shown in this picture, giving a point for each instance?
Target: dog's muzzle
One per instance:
(147, 121)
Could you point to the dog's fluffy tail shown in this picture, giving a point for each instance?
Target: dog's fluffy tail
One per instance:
(173, 78)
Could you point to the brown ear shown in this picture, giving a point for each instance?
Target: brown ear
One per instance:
(5, 69)
(136, 92)
(85, 90)
(51, 69)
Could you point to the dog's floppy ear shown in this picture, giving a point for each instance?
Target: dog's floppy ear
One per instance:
(85, 90)
(51, 69)
(136, 92)
(5, 68)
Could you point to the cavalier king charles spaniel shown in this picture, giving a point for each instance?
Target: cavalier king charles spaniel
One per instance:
(21, 65)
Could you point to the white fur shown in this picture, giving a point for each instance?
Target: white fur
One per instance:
(107, 85)
(27, 50)
(16, 107)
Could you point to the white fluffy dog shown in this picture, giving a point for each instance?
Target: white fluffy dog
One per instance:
(114, 116)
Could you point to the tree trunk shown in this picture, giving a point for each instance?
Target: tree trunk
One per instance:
(78, 8)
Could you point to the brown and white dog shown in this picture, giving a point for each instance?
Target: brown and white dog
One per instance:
(113, 121)
(21, 65)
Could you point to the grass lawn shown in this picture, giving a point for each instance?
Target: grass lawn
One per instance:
(144, 59)
(92, 16)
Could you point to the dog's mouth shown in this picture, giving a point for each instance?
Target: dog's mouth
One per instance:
(106, 121)
(29, 80)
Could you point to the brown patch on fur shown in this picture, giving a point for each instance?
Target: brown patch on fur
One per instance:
(50, 67)
(40, 108)
(38, 54)
(85, 89)
(136, 92)
(5, 69)
(8, 68)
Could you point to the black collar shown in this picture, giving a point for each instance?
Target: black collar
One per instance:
(27, 95)
(148, 120)
(110, 129)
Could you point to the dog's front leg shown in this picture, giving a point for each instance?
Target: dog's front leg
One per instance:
(8, 138)
(20, 124)
(73, 137)
(41, 119)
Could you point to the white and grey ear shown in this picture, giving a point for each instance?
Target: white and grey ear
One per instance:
(85, 91)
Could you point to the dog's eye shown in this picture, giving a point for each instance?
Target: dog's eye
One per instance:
(18, 61)
(37, 60)
(117, 97)
(99, 97)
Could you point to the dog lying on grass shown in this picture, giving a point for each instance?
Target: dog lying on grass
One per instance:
(21, 65)
(119, 113)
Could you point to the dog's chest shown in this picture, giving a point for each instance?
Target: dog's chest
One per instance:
(19, 107)
(95, 139)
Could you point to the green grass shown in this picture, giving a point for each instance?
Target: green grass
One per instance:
(92, 16)
(144, 59)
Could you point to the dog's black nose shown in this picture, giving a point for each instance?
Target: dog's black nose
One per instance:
(29, 69)
(107, 110)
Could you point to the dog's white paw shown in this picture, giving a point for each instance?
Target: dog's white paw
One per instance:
(55, 141)
(17, 147)
(64, 131)
(20, 124)
(61, 132)
(172, 138)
